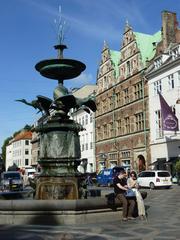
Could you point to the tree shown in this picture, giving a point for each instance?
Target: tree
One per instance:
(177, 168)
(16, 133)
(3, 148)
(27, 127)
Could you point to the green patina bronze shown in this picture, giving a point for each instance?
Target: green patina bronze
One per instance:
(60, 153)
(59, 136)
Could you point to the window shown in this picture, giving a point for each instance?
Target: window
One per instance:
(139, 121)
(86, 141)
(26, 142)
(82, 147)
(111, 99)
(126, 163)
(125, 154)
(138, 91)
(91, 140)
(105, 131)
(126, 95)
(26, 151)
(99, 133)
(113, 156)
(158, 120)
(26, 161)
(83, 142)
(147, 174)
(158, 63)
(83, 121)
(171, 81)
(86, 119)
(163, 174)
(119, 126)
(111, 128)
(150, 174)
(175, 53)
(105, 82)
(91, 117)
(127, 125)
(157, 87)
(118, 99)
(128, 67)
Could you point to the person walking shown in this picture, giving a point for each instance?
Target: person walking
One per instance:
(120, 188)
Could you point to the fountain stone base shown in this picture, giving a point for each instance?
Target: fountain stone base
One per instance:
(59, 159)
(59, 188)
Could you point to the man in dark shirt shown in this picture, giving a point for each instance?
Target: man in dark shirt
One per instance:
(120, 187)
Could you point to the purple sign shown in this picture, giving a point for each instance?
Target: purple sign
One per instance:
(169, 120)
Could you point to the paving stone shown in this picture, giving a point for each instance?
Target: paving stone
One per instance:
(162, 224)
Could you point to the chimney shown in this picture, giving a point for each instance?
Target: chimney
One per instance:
(169, 28)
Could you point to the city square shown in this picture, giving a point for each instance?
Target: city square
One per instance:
(162, 223)
(90, 139)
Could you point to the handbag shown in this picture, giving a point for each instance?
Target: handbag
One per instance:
(130, 193)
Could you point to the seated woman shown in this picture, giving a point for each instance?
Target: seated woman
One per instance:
(120, 188)
(133, 184)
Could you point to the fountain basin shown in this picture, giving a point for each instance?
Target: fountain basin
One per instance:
(60, 68)
(56, 212)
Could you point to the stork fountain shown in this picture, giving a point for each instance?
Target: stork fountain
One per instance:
(59, 139)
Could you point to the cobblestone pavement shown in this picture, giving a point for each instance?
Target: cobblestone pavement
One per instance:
(163, 220)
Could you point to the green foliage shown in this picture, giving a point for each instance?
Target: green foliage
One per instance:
(27, 127)
(16, 133)
(177, 166)
(3, 148)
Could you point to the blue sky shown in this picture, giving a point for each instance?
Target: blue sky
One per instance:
(28, 36)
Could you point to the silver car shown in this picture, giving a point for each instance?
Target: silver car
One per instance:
(11, 181)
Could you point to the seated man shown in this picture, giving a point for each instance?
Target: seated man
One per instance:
(120, 187)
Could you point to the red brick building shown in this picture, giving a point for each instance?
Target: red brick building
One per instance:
(122, 121)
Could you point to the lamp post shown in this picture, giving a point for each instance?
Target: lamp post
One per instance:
(103, 157)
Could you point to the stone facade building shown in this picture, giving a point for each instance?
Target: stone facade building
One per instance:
(87, 136)
(18, 151)
(122, 117)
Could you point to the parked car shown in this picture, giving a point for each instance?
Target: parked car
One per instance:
(11, 181)
(155, 178)
(105, 177)
(30, 172)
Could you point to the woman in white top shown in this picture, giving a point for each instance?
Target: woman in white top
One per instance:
(133, 184)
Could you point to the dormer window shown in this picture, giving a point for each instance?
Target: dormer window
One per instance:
(158, 63)
(175, 53)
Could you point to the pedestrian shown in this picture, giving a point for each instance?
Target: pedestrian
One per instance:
(120, 188)
(133, 184)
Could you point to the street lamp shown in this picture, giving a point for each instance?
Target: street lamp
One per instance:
(103, 157)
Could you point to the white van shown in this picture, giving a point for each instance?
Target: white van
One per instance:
(154, 178)
(29, 172)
